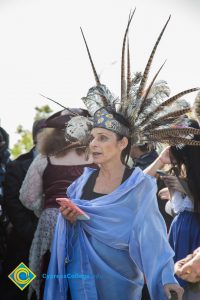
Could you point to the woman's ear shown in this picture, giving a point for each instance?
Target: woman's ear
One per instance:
(123, 143)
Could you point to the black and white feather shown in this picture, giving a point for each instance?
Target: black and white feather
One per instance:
(77, 129)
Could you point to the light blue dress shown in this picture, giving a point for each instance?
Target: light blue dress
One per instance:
(105, 258)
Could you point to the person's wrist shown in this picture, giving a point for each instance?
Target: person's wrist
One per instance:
(161, 160)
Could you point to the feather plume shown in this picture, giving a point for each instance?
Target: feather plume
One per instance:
(93, 100)
(176, 141)
(154, 115)
(177, 96)
(166, 103)
(166, 119)
(128, 71)
(128, 107)
(90, 58)
(150, 86)
(147, 68)
(178, 131)
(93, 67)
(77, 129)
(159, 91)
(196, 107)
(136, 79)
(54, 101)
(123, 81)
(170, 132)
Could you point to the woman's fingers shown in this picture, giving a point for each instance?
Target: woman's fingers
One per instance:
(190, 271)
(180, 265)
(72, 216)
(173, 183)
(174, 288)
(164, 194)
(190, 277)
(196, 251)
(69, 213)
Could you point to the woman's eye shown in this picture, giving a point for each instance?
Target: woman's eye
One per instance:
(103, 138)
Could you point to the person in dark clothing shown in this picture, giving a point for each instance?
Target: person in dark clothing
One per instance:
(4, 159)
(23, 222)
(143, 156)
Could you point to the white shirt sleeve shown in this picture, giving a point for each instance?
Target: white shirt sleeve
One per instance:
(31, 192)
(180, 203)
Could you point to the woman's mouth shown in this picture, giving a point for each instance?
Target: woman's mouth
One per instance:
(96, 154)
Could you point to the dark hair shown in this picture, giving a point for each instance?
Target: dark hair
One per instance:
(125, 152)
(51, 141)
(147, 147)
(4, 139)
(189, 156)
(36, 128)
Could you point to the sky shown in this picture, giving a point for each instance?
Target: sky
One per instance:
(42, 50)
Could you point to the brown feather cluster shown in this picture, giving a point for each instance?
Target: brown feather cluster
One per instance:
(151, 112)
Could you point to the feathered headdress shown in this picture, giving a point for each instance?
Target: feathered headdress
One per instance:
(196, 107)
(153, 116)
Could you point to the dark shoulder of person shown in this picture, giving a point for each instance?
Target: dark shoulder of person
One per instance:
(22, 162)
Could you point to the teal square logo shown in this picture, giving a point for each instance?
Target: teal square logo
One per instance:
(21, 276)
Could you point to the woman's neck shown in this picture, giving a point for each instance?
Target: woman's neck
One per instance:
(109, 177)
(111, 170)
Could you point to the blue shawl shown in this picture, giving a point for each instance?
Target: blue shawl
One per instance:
(105, 258)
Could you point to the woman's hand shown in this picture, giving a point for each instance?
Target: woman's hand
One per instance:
(173, 288)
(69, 214)
(173, 184)
(165, 156)
(164, 194)
(158, 163)
(189, 268)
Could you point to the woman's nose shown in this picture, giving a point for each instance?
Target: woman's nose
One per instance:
(93, 143)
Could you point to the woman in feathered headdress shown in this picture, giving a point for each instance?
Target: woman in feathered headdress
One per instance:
(105, 257)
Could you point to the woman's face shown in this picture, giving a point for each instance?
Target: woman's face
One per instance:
(105, 147)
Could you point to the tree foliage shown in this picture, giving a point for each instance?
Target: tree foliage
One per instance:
(25, 141)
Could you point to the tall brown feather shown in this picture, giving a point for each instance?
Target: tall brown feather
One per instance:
(152, 82)
(104, 100)
(123, 85)
(90, 58)
(147, 68)
(149, 88)
(128, 70)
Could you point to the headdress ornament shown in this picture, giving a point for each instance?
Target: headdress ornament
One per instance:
(105, 119)
(196, 107)
(152, 115)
